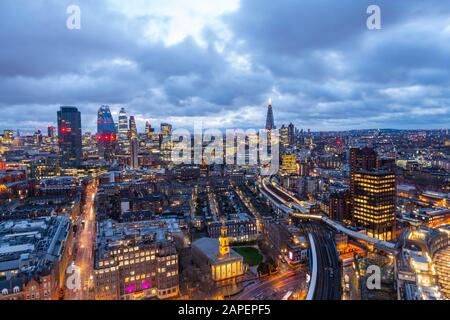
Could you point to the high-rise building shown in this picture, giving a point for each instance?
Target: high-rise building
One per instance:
(373, 193)
(37, 137)
(123, 125)
(270, 123)
(166, 130)
(106, 133)
(291, 134)
(287, 135)
(289, 164)
(133, 128)
(134, 154)
(363, 158)
(69, 137)
(284, 136)
(166, 142)
(340, 205)
(149, 131)
(373, 196)
(8, 136)
(51, 132)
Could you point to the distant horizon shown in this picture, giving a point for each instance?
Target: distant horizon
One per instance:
(219, 62)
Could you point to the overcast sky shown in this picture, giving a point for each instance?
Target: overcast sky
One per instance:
(219, 61)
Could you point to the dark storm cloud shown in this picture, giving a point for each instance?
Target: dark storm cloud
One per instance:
(317, 60)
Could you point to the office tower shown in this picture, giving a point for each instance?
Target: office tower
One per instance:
(8, 136)
(291, 134)
(340, 205)
(373, 195)
(37, 137)
(284, 136)
(166, 130)
(69, 136)
(289, 164)
(362, 158)
(133, 128)
(149, 131)
(287, 135)
(270, 124)
(106, 133)
(134, 154)
(166, 142)
(51, 132)
(123, 125)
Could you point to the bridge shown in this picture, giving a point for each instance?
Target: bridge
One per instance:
(289, 204)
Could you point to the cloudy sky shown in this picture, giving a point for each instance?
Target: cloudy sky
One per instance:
(219, 61)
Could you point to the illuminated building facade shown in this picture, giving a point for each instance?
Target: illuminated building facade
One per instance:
(373, 202)
(8, 136)
(270, 123)
(51, 133)
(106, 133)
(362, 159)
(134, 153)
(285, 240)
(69, 137)
(132, 134)
(217, 259)
(123, 125)
(166, 143)
(240, 228)
(135, 261)
(287, 135)
(340, 206)
(149, 131)
(289, 164)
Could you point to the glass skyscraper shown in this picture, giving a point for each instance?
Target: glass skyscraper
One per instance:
(123, 125)
(270, 123)
(69, 137)
(106, 133)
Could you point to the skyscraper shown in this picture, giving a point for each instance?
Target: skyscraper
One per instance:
(291, 134)
(134, 154)
(69, 137)
(373, 202)
(105, 122)
(270, 124)
(123, 125)
(106, 133)
(148, 127)
(373, 194)
(51, 132)
(362, 158)
(149, 131)
(284, 136)
(133, 128)
(166, 142)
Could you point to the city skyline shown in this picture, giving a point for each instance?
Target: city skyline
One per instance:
(181, 62)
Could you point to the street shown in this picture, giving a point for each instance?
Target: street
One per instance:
(272, 288)
(84, 244)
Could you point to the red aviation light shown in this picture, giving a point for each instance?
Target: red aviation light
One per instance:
(107, 137)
